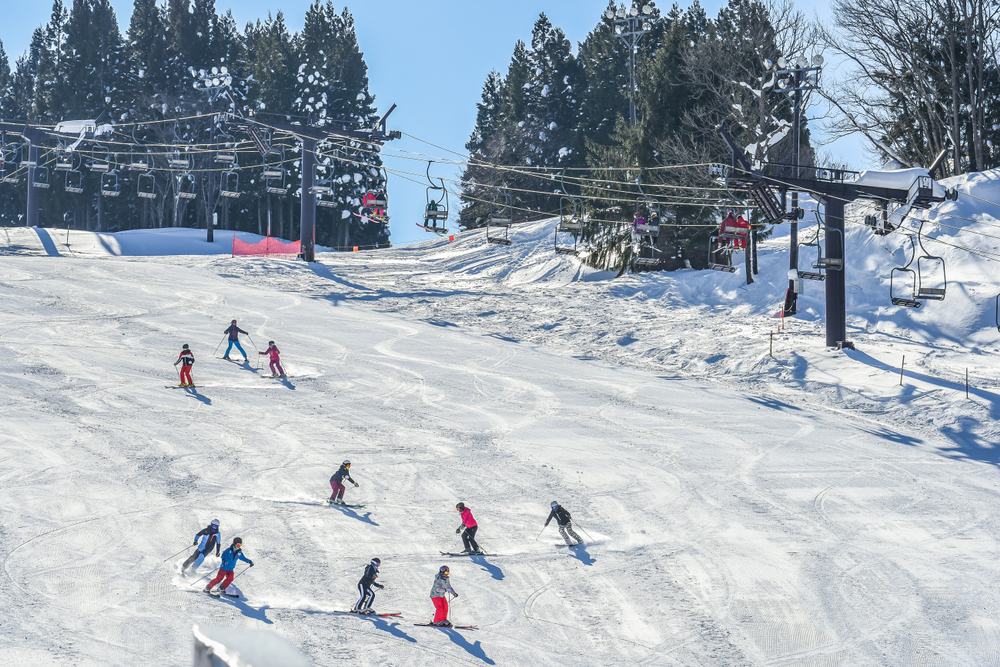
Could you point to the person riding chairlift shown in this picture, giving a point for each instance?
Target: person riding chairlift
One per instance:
(744, 225)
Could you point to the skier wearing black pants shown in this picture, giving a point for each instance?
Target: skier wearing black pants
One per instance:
(563, 520)
(364, 605)
(205, 539)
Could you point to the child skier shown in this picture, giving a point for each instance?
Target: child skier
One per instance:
(364, 605)
(204, 539)
(229, 558)
(337, 483)
(563, 520)
(274, 353)
(470, 526)
(234, 339)
(186, 360)
(441, 587)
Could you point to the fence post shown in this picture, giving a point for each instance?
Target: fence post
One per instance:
(966, 383)
(903, 363)
(771, 352)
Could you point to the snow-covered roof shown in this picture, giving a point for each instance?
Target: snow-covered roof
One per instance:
(900, 179)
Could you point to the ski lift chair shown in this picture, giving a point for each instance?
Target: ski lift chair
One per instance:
(275, 173)
(41, 178)
(147, 186)
(230, 184)
(897, 294)
(570, 222)
(932, 278)
(436, 209)
(9, 154)
(100, 159)
(110, 185)
(74, 181)
(185, 186)
(719, 248)
(323, 186)
(227, 151)
(501, 216)
(64, 161)
(139, 159)
(180, 156)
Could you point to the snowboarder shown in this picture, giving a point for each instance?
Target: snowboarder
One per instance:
(441, 587)
(563, 520)
(186, 360)
(470, 526)
(234, 339)
(337, 483)
(229, 557)
(274, 353)
(204, 539)
(364, 605)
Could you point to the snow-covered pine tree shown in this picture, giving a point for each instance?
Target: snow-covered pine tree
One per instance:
(476, 176)
(551, 104)
(332, 90)
(47, 67)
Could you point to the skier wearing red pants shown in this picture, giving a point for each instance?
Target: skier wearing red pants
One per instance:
(229, 557)
(441, 587)
(186, 360)
(337, 483)
(274, 353)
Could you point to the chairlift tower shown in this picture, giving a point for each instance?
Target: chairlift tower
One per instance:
(630, 25)
(834, 191)
(308, 136)
(796, 76)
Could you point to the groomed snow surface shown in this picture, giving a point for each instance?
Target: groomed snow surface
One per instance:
(803, 509)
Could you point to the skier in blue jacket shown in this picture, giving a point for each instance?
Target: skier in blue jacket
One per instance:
(204, 539)
(234, 339)
(229, 557)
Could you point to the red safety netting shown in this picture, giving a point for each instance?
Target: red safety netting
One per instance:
(265, 247)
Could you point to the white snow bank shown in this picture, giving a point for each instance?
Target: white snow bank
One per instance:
(241, 647)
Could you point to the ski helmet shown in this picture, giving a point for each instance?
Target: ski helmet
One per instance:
(234, 321)
(215, 522)
(270, 342)
(460, 506)
(554, 504)
(185, 346)
(237, 541)
(444, 570)
(376, 562)
(346, 464)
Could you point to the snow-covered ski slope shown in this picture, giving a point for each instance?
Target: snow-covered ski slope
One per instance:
(800, 510)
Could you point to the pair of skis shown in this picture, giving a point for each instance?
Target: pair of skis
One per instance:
(465, 553)
(343, 505)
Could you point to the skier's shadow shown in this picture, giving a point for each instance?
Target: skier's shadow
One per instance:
(473, 649)
(494, 570)
(391, 628)
(248, 611)
(366, 518)
(580, 553)
(193, 393)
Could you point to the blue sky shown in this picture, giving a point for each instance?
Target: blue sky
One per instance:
(430, 58)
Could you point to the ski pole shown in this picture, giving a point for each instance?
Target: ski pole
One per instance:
(197, 580)
(177, 554)
(219, 345)
(451, 603)
(243, 572)
(540, 532)
(585, 532)
(253, 343)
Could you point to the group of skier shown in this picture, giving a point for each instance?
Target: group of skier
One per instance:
(733, 232)
(186, 357)
(209, 538)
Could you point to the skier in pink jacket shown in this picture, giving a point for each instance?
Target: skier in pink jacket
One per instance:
(272, 350)
(470, 526)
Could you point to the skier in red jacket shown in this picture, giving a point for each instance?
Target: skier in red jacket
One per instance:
(470, 527)
(186, 360)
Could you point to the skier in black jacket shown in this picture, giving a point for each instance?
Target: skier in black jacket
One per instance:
(364, 605)
(337, 483)
(205, 539)
(563, 520)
